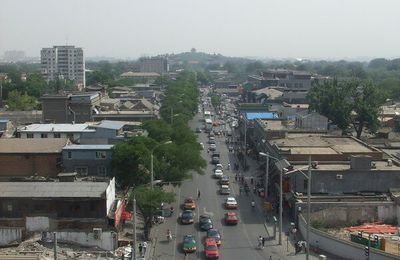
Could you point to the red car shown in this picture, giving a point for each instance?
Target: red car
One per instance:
(211, 249)
(231, 218)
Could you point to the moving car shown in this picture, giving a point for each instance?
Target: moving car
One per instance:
(213, 147)
(211, 142)
(218, 173)
(224, 180)
(189, 203)
(187, 217)
(224, 190)
(211, 249)
(214, 233)
(189, 244)
(231, 203)
(198, 130)
(231, 218)
(205, 222)
(219, 166)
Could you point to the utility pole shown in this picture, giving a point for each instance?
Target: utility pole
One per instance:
(55, 245)
(308, 208)
(266, 177)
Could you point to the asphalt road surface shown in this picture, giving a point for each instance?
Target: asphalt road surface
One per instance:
(238, 242)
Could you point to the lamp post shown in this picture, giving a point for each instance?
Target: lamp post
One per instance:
(152, 162)
(308, 177)
(280, 192)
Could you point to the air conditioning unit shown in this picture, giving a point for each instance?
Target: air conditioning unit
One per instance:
(97, 233)
(339, 176)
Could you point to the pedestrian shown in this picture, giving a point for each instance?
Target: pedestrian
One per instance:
(140, 249)
(208, 150)
(251, 180)
(144, 247)
(198, 194)
(270, 257)
(260, 242)
(263, 241)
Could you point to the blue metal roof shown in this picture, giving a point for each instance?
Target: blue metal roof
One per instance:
(261, 115)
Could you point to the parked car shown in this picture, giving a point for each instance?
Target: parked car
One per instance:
(231, 218)
(205, 222)
(189, 204)
(213, 147)
(189, 244)
(214, 233)
(231, 203)
(187, 217)
(198, 130)
(219, 167)
(211, 249)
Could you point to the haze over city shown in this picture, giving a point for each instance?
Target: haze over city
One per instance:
(332, 29)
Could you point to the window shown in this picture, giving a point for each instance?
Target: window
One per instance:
(69, 155)
(9, 207)
(29, 135)
(43, 135)
(101, 171)
(100, 155)
(83, 170)
(57, 135)
(305, 184)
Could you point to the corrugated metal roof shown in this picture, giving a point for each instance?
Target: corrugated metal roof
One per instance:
(111, 124)
(261, 115)
(89, 147)
(52, 189)
(32, 145)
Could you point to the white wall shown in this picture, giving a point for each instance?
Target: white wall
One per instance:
(37, 224)
(8, 235)
(110, 194)
(107, 241)
(76, 136)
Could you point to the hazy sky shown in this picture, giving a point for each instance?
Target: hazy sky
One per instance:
(262, 28)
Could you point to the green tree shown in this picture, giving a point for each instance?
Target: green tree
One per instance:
(356, 103)
(148, 202)
(16, 101)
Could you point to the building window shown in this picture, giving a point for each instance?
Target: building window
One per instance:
(57, 135)
(29, 135)
(100, 155)
(305, 184)
(43, 135)
(69, 155)
(82, 170)
(101, 171)
(9, 207)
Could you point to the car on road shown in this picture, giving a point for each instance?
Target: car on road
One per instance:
(231, 218)
(213, 147)
(198, 130)
(202, 145)
(211, 142)
(214, 233)
(211, 138)
(218, 173)
(189, 203)
(211, 249)
(231, 203)
(230, 148)
(219, 167)
(189, 244)
(224, 190)
(187, 217)
(224, 180)
(205, 222)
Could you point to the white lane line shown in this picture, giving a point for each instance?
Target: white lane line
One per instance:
(176, 222)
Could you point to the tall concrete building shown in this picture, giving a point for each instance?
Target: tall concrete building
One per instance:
(153, 64)
(63, 62)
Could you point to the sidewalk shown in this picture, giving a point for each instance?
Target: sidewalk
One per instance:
(287, 248)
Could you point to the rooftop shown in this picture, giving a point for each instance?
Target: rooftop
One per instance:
(139, 74)
(88, 147)
(116, 125)
(267, 124)
(32, 145)
(52, 189)
(306, 143)
(337, 166)
(261, 115)
(40, 128)
(270, 92)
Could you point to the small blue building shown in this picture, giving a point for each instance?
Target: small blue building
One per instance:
(92, 160)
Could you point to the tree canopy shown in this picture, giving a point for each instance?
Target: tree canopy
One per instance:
(355, 102)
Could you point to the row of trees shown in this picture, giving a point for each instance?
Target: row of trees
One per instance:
(174, 161)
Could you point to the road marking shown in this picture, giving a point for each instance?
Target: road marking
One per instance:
(211, 214)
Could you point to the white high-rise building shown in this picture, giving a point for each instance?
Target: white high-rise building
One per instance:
(63, 62)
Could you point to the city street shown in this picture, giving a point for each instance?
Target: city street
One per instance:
(238, 242)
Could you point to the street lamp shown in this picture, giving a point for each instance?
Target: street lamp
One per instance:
(308, 177)
(281, 169)
(152, 162)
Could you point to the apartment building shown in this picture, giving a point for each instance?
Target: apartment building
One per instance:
(153, 64)
(63, 62)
